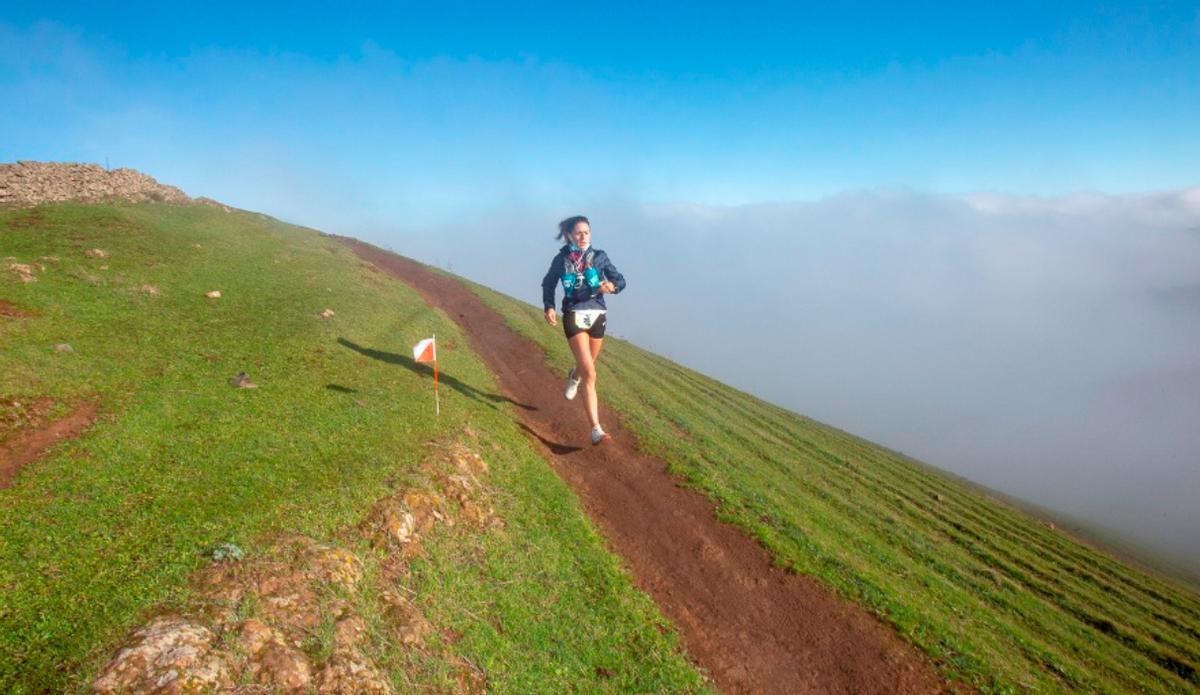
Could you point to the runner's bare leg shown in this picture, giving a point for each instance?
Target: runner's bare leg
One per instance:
(585, 370)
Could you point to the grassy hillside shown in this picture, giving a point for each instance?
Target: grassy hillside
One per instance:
(106, 530)
(998, 599)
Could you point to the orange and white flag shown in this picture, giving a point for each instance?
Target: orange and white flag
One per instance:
(425, 351)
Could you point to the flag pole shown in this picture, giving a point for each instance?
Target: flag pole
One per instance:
(437, 402)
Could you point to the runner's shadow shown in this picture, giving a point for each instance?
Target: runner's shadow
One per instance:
(560, 449)
(449, 380)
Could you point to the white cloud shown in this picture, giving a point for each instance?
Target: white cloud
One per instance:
(1021, 341)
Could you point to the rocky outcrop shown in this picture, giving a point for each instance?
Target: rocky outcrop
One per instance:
(34, 183)
(291, 620)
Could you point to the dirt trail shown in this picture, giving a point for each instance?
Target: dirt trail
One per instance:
(753, 627)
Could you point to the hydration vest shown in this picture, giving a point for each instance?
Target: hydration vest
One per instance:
(576, 275)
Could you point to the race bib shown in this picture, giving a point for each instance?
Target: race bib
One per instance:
(587, 318)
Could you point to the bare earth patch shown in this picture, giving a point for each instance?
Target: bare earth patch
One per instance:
(252, 624)
(12, 311)
(31, 436)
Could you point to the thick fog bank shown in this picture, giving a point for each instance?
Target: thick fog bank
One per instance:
(1045, 347)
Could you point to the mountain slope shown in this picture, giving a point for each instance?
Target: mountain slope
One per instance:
(112, 528)
(109, 529)
(996, 598)
(754, 627)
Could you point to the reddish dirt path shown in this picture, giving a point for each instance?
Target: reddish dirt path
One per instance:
(27, 447)
(752, 627)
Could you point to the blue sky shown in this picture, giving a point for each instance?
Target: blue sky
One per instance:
(396, 108)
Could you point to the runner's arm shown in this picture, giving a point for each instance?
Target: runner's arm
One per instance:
(550, 282)
(612, 274)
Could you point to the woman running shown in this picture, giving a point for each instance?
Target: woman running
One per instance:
(586, 275)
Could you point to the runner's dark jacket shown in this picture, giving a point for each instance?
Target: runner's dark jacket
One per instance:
(584, 297)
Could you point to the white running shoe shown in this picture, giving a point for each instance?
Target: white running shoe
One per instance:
(572, 385)
(599, 435)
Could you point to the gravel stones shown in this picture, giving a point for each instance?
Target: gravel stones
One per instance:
(33, 183)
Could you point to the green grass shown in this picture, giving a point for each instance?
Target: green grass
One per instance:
(107, 528)
(998, 599)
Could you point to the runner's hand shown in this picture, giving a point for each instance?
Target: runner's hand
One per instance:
(551, 317)
(607, 287)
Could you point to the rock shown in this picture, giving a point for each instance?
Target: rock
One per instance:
(168, 655)
(469, 462)
(327, 314)
(96, 253)
(410, 626)
(402, 526)
(34, 183)
(254, 635)
(348, 633)
(480, 516)
(215, 294)
(242, 381)
(63, 347)
(391, 522)
(23, 271)
(282, 666)
(427, 509)
(458, 487)
(351, 673)
(220, 582)
(270, 661)
(292, 606)
(335, 566)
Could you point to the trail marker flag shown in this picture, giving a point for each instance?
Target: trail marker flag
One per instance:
(426, 351)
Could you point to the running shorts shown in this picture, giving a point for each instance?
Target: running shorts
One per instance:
(571, 328)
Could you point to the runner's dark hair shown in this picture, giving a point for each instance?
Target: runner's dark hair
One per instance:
(568, 225)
